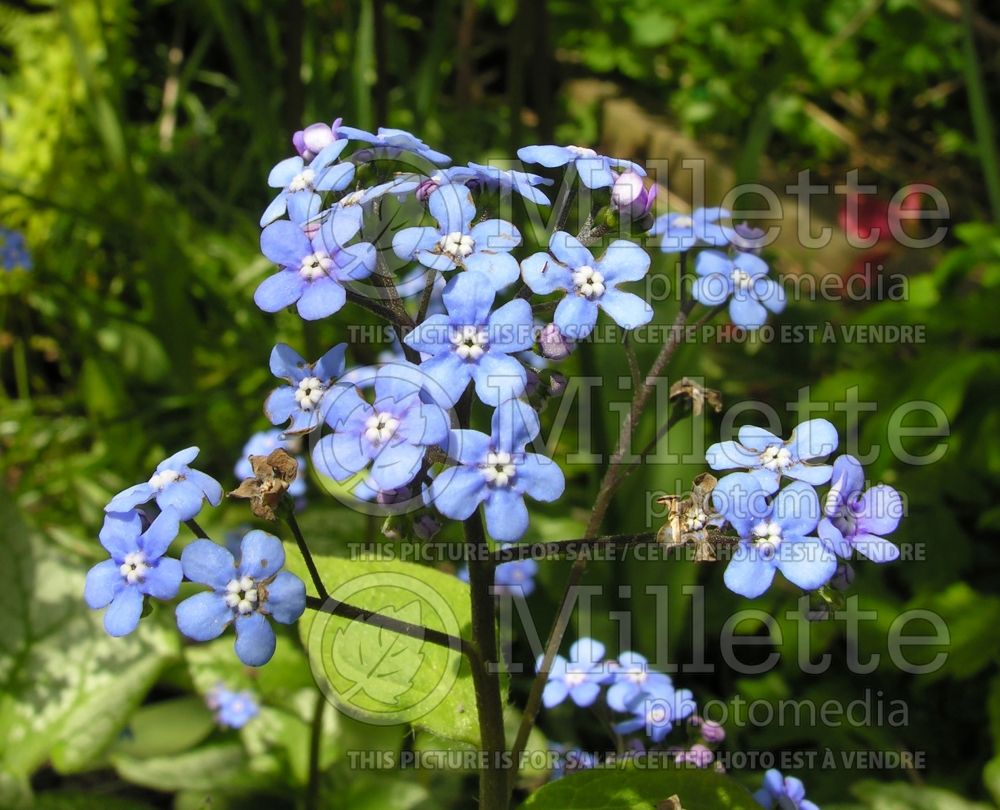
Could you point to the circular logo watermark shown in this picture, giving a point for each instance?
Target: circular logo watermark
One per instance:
(378, 675)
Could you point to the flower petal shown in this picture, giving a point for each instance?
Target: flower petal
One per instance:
(506, 514)
(575, 316)
(570, 251)
(286, 598)
(320, 298)
(498, 377)
(120, 532)
(544, 274)
(163, 579)
(626, 309)
(815, 438)
(284, 243)
(255, 640)
(208, 563)
(122, 615)
(623, 261)
(881, 510)
(457, 491)
(129, 498)
(103, 583)
(261, 555)
(279, 291)
(806, 562)
(749, 574)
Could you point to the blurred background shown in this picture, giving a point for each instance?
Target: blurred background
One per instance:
(136, 141)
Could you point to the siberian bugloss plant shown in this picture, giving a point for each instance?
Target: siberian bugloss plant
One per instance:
(446, 429)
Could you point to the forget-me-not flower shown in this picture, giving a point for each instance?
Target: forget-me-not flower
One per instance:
(245, 594)
(631, 677)
(656, 708)
(392, 143)
(263, 443)
(768, 457)
(856, 520)
(296, 176)
(579, 678)
(304, 399)
(590, 283)
(497, 472)
(391, 434)
(594, 169)
(681, 232)
(742, 280)
(456, 242)
(510, 578)
(137, 568)
(313, 271)
(775, 535)
(232, 709)
(783, 793)
(474, 342)
(173, 484)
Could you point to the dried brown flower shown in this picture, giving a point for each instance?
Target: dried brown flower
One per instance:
(273, 474)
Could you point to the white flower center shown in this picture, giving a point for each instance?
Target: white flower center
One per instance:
(588, 282)
(379, 429)
(315, 265)
(657, 714)
(775, 458)
(309, 393)
(134, 568)
(302, 181)
(470, 342)
(456, 245)
(353, 198)
(767, 533)
(162, 478)
(695, 521)
(741, 279)
(637, 676)
(241, 595)
(682, 222)
(582, 151)
(499, 469)
(575, 678)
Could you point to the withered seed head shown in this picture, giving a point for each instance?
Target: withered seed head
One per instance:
(273, 474)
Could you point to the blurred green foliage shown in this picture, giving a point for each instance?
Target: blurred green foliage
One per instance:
(136, 138)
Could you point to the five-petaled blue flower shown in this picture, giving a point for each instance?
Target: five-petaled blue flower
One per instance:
(174, 484)
(232, 709)
(590, 284)
(392, 143)
(741, 280)
(137, 568)
(580, 678)
(656, 708)
(681, 232)
(245, 594)
(304, 399)
(296, 177)
(516, 577)
(392, 434)
(769, 458)
(264, 443)
(455, 242)
(497, 472)
(783, 793)
(313, 270)
(856, 520)
(14, 254)
(594, 169)
(631, 677)
(472, 342)
(775, 535)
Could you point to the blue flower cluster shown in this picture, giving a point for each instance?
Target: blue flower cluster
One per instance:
(14, 254)
(232, 709)
(783, 793)
(246, 594)
(634, 688)
(786, 529)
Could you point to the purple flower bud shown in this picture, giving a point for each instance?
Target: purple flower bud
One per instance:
(697, 755)
(555, 346)
(388, 497)
(712, 732)
(557, 383)
(426, 526)
(630, 196)
(426, 188)
(746, 238)
(843, 577)
(312, 140)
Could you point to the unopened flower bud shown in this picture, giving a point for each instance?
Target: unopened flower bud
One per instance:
(746, 237)
(629, 196)
(426, 188)
(554, 345)
(426, 526)
(312, 140)
(557, 384)
(843, 577)
(712, 732)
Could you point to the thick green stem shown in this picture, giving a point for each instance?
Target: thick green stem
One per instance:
(982, 120)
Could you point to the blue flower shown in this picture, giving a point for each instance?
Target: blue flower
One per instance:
(632, 677)
(137, 568)
(471, 342)
(174, 484)
(516, 577)
(506, 180)
(264, 443)
(769, 458)
(497, 472)
(392, 434)
(594, 169)
(297, 178)
(856, 520)
(304, 399)
(590, 284)
(656, 708)
(392, 143)
(14, 253)
(741, 280)
(775, 535)
(346, 216)
(456, 243)
(681, 232)
(313, 270)
(232, 709)
(245, 594)
(783, 793)
(580, 678)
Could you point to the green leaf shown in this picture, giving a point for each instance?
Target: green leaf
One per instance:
(66, 687)
(904, 796)
(211, 767)
(642, 790)
(344, 655)
(383, 670)
(165, 728)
